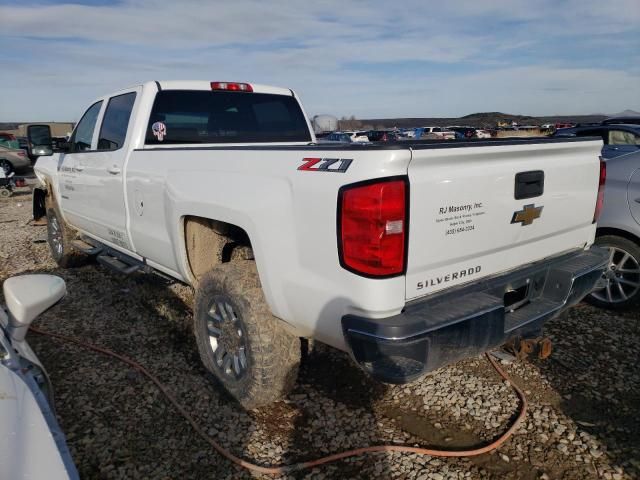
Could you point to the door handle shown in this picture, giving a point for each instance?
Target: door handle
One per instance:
(114, 170)
(79, 167)
(637, 200)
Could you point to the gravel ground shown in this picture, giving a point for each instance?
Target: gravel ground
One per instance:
(582, 421)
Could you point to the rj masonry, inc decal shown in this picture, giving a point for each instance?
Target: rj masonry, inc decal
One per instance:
(460, 218)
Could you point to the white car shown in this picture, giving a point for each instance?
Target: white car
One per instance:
(480, 133)
(408, 255)
(440, 132)
(32, 445)
(358, 137)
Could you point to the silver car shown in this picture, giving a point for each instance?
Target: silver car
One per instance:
(619, 230)
(12, 159)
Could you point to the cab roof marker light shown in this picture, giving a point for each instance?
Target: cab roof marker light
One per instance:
(231, 86)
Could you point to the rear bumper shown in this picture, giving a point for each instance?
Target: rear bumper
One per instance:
(470, 320)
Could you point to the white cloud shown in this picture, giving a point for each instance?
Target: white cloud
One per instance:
(367, 58)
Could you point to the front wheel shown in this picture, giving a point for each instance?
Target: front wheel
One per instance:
(6, 166)
(621, 288)
(241, 344)
(59, 238)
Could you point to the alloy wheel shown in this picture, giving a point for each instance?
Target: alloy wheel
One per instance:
(227, 339)
(622, 278)
(55, 235)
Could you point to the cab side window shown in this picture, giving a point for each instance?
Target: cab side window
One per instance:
(83, 134)
(115, 122)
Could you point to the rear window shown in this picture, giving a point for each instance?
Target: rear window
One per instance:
(116, 121)
(193, 117)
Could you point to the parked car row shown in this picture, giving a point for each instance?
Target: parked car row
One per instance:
(400, 134)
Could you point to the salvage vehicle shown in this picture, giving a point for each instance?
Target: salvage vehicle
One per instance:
(9, 182)
(33, 445)
(618, 139)
(12, 159)
(440, 132)
(9, 140)
(619, 232)
(408, 255)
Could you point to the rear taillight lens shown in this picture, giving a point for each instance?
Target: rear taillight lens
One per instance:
(372, 226)
(21, 153)
(600, 200)
(231, 86)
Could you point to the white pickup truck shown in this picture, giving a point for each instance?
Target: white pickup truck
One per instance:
(409, 256)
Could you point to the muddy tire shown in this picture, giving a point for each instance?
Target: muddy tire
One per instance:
(59, 238)
(241, 344)
(622, 278)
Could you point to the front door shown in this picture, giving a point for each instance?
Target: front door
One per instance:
(72, 185)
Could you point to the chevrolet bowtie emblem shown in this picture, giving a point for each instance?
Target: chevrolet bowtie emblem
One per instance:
(527, 215)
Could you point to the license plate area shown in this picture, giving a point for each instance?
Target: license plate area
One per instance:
(516, 296)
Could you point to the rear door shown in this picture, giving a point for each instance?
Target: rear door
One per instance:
(470, 219)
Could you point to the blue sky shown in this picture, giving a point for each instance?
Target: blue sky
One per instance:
(362, 58)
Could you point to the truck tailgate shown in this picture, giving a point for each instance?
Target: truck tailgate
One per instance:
(465, 220)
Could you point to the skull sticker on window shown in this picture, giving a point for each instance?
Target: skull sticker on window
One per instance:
(159, 130)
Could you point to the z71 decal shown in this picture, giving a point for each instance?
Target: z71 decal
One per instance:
(339, 165)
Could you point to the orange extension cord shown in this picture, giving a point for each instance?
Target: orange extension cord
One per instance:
(312, 463)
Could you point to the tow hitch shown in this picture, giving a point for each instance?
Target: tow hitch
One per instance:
(523, 347)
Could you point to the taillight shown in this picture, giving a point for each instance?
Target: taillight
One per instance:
(232, 87)
(21, 153)
(600, 200)
(372, 227)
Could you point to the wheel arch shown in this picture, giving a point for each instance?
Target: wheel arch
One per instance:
(601, 231)
(208, 242)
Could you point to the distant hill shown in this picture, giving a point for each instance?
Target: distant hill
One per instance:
(626, 113)
(483, 119)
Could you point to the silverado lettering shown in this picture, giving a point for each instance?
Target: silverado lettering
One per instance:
(433, 282)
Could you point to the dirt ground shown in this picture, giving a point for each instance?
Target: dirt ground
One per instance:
(582, 421)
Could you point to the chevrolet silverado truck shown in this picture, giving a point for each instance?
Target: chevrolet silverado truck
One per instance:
(409, 255)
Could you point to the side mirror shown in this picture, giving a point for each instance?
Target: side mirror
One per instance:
(28, 296)
(61, 145)
(40, 141)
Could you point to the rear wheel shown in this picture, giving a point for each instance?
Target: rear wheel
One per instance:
(245, 348)
(622, 278)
